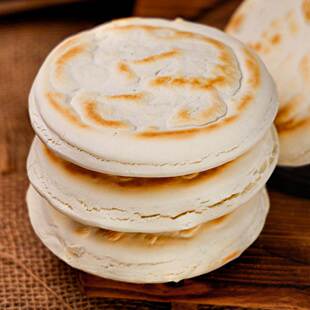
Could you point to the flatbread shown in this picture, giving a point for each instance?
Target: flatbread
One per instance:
(142, 258)
(279, 32)
(152, 98)
(151, 204)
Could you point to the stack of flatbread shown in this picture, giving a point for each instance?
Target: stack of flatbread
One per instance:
(154, 143)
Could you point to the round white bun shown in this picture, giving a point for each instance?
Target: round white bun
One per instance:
(152, 98)
(143, 258)
(279, 32)
(151, 204)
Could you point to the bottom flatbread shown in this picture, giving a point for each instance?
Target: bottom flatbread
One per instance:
(148, 258)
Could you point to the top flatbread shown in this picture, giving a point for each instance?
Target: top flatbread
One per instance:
(152, 97)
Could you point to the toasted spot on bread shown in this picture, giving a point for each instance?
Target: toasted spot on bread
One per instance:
(287, 121)
(253, 68)
(127, 97)
(187, 133)
(276, 39)
(230, 257)
(220, 219)
(184, 115)
(235, 23)
(66, 57)
(161, 238)
(257, 46)
(126, 70)
(306, 10)
(192, 82)
(91, 112)
(53, 99)
(304, 67)
(292, 22)
(211, 113)
(287, 111)
(244, 102)
(292, 124)
(157, 57)
(83, 230)
(110, 234)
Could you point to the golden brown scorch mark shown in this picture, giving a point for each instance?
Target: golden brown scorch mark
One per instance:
(83, 230)
(210, 112)
(275, 39)
(244, 102)
(253, 68)
(202, 83)
(126, 70)
(288, 110)
(90, 108)
(257, 46)
(286, 120)
(127, 97)
(292, 22)
(53, 99)
(230, 257)
(153, 238)
(186, 133)
(207, 114)
(304, 67)
(67, 56)
(227, 66)
(235, 23)
(193, 82)
(220, 219)
(134, 184)
(292, 124)
(306, 10)
(183, 115)
(264, 47)
(70, 42)
(161, 56)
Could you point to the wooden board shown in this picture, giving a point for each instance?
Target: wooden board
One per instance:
(273, 273)
(172, 8)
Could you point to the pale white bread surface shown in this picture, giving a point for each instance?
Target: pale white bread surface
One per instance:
(142, 258)
(152, 98)
(151, 204)
(279, 32)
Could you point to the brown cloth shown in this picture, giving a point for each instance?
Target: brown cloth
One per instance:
(30, 276)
